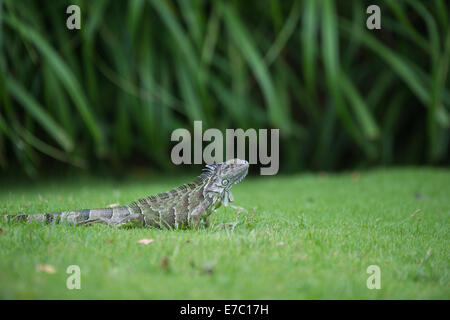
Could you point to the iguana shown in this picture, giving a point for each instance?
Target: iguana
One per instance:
(186, 206)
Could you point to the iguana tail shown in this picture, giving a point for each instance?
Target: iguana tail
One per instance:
(87, 216)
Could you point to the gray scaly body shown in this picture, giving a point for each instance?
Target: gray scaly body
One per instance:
(187, 205)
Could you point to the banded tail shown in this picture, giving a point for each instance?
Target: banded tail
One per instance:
(116, 216)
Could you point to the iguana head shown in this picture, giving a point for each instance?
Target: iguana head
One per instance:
(222, 176)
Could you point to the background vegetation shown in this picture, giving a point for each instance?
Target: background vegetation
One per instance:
(111, 93)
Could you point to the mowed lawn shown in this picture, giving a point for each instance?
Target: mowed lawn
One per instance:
(306, 236)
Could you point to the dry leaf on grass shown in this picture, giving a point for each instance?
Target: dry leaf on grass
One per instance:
(113, 205)
(145, 241)
(45, 268)
(165, 263)
(355, 176)
(208, 267)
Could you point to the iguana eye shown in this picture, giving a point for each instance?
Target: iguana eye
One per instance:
(224, 182)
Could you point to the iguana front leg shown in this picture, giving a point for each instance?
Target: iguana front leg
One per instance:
(200, 213)
(205, 218)
(229, 198)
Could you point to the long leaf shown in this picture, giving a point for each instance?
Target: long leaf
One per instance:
(366, 120)
(277, 112)
(38, 112)
(64, 74)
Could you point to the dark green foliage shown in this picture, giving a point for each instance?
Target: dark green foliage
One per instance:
(112, 92)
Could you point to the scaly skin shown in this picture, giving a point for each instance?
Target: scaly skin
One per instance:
(186, 206)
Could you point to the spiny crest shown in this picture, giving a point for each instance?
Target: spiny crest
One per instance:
(166, 196)
(208, 171)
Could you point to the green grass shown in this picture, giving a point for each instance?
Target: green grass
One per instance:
(311, 236)
(137, 70)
